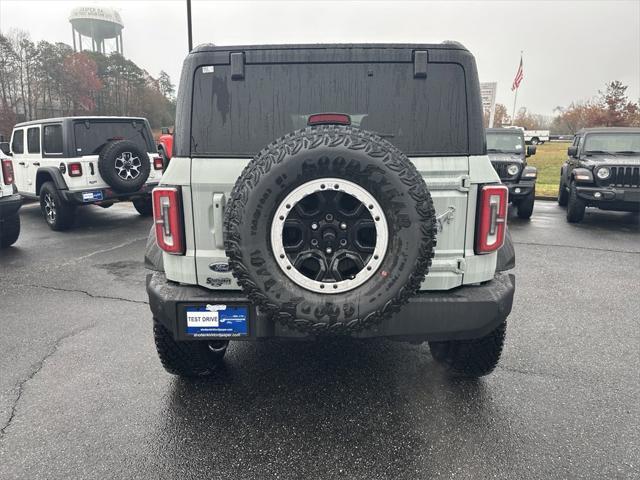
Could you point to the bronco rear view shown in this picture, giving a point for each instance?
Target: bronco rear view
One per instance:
(308, 189)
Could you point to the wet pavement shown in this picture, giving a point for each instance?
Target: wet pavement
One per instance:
(83, 395)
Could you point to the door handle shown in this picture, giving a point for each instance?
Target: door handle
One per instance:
(37, 164)
(20, 163)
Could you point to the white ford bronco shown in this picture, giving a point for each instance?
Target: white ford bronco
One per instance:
(307, 189)
(10, 202)
(72, 161)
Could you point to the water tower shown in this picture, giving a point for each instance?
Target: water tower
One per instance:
(99, 24)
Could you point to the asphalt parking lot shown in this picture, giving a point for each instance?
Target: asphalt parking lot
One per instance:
(83, 395)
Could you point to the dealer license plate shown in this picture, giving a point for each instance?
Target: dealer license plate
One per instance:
(217, 320)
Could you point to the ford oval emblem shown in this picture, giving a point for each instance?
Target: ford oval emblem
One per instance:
(220, 267)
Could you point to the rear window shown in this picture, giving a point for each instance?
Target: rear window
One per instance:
(92, 135)
(240, 117)
(17, 144)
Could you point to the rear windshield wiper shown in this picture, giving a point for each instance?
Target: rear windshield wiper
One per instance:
(627, 152)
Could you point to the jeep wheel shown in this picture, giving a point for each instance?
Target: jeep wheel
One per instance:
(9, 230)
(471, 358)
(143, 205)
(525, 205)
(58, 214)
(187, 359)
(124, 166)
(563, 195)
(575, 206)
(329, 230)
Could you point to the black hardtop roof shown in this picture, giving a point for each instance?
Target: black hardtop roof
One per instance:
(609, 130)
(62, 119)
(513, 131)
(446, 45)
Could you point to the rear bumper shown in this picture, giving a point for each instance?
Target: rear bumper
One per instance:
(463, 313)
(104, 195)
(611, 198)
(9, 205)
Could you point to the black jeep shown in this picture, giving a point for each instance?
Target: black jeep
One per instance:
(508, 154)
(602, 170)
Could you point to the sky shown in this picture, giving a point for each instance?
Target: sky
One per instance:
(570, 48)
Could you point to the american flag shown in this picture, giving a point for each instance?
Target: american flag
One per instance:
(519, 76)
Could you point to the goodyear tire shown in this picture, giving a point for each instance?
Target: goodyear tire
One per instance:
(299, 230)
(124, 166)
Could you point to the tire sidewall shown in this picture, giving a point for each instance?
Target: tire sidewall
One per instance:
(403, 202)
(107, 169)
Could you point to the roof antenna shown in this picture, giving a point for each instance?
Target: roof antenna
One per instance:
(189, 25)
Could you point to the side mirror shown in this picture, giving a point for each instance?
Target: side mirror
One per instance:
(165, 131)
(4, 146)
(531, 150)
(572, 151)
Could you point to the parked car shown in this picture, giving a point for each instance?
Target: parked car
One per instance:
(602, 170)
(73, 161)
(508, 154)
(10, 203)
(165, 145)
(317, 214)
(536, 137)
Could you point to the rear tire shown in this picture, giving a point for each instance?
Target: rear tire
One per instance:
(525, 206)
(58, 214)
(535, 141)
(471, 358)
(187, 359)
(9, 230)
(563, 195)
(575, 206)
(144, 206)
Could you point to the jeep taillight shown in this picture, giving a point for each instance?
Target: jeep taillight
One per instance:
(167, 215)
(7, 171)
(492, 218)
(157, 163)
(75, 169)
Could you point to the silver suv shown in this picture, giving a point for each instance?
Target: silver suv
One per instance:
(306, 192)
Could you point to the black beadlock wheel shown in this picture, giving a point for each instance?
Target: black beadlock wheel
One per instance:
(471, 358)
(124, 166)
(329, 230)
(187, 359)
(9, 230)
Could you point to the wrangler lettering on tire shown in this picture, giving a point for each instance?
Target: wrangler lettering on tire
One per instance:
(330, 229)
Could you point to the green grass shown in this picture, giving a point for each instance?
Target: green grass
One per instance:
(549, 158)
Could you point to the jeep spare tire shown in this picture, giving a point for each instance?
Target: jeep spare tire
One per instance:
(330, 229)
(124, 166)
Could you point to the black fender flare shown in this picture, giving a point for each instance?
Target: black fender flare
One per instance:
(506, 255)
(45, 173)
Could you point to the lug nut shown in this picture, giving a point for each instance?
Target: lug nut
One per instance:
(329, 217)
(343, 242)
(314, 242)
(343, 226)
(314, 226)
(329, 250)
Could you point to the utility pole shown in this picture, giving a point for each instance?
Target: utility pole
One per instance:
(189, 25)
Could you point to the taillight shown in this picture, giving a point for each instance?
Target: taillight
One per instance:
(75, 169)
(167, 216)
(7, 171)
(492, 218)
(329, 119)
(157, 163)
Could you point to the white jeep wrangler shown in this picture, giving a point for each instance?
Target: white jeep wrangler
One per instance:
(72, 161)
(10, 201)
(307, 187)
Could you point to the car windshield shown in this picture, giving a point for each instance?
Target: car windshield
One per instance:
(616, 143)
(504, 142)
(418, 115)
(92, 135)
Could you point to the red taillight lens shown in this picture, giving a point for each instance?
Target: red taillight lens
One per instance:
(75, 169)
(7, 171)
(492, 218)
(167, 215)
(329, 119)
(157, 163)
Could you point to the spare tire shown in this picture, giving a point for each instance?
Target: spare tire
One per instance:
(329, 230)
(124, 166)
